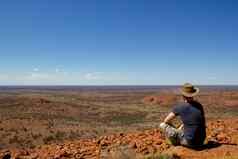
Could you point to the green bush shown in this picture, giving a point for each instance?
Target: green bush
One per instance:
(161, 156)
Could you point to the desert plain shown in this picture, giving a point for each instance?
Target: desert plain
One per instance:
(109, 122)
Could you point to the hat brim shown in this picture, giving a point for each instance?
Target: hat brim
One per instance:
(190, 94)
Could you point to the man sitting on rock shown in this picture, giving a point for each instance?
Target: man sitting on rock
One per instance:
(192, 132)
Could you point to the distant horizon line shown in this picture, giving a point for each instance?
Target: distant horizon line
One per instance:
(120, 85)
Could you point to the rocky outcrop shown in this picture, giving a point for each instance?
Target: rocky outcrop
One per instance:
(162, 99)
(221, 132)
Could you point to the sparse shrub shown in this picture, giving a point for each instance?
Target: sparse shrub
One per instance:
(24, 129)
(35, 136)
(73, 135)
(29, 143)
(162, 156)
(48, 139)
(125, 118)
(13, 130)
(59, 135)
(14, 139)
(122, 152)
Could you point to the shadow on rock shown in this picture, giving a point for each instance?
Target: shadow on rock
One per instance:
(7, 156)
(209, 145)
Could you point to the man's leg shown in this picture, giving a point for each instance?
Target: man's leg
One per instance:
(175, 136)
(171, 133)
(183, 141)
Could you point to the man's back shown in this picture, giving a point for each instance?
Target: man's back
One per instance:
(192, 116)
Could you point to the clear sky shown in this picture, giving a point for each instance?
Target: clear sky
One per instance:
(110, 42)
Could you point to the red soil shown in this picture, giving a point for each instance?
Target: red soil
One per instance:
(224, 132)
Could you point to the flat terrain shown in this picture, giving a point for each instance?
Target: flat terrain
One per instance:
(34, 117)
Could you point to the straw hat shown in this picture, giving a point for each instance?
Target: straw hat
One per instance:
(188, 90)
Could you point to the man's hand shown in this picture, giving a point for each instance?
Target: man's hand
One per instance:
(181, 127)
(162, 125)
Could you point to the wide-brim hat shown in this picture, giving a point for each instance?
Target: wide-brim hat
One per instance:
(188, 90)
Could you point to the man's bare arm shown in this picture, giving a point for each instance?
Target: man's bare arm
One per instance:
(168, 119)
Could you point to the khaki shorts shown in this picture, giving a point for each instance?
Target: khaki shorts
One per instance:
(175, 136)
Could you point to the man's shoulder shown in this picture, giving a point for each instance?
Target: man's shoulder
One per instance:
(179, 107)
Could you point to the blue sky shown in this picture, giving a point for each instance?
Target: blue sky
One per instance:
(109, 42)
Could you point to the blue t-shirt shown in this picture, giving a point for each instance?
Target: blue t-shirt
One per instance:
(192, 116)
